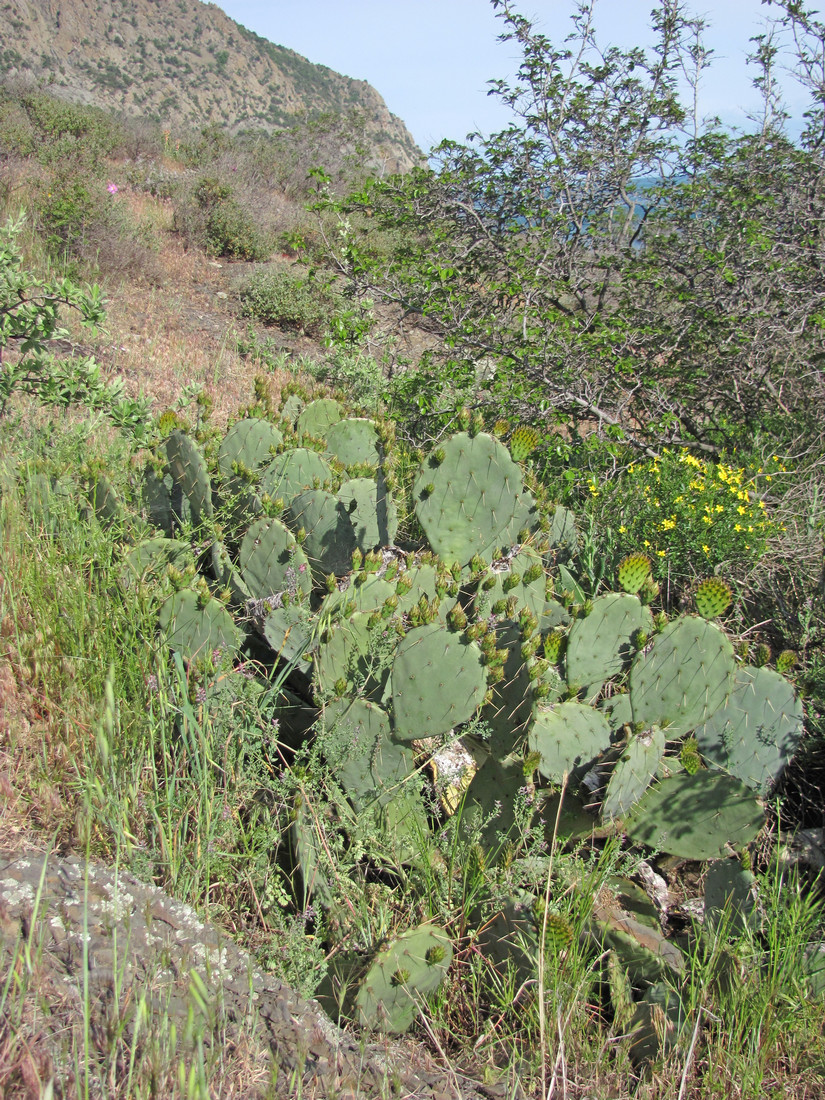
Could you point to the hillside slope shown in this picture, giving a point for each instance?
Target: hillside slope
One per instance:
(185, 64)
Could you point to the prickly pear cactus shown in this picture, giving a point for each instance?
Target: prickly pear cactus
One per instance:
(249, 445)
(406, 970)
(437, 682)
(568, 738)
(466, 494)
(189, 472)
(696, 816)
(600, 645)
(633, 571)
(757, 731)
(713, 597)
(195, 625)
(684, 678)
(318, 416)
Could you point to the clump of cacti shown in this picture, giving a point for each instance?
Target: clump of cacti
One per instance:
(650, 721)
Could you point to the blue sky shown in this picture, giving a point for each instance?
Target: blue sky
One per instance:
(431, 59)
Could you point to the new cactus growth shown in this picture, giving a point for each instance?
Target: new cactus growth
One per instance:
(713, 597)
(633, 571)
(523, 442)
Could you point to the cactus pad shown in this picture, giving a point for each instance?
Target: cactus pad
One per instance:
(194, 627)
(757, 731)
(523, 442)
(272, 562)
(599, 646)
(371, 510)
(713, 597)
(568, 737)
(317, 417)
(354, 442)
(250, 444)
(696, 816)
(633, 572)
(437, 682)
(294, 471)
(188, 469)
(409, 968)
(633, 773)
(684, 678)
(476, 492)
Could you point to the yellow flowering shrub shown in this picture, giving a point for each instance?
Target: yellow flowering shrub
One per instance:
(689, 515)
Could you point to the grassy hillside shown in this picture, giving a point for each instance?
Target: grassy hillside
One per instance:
(569, 951)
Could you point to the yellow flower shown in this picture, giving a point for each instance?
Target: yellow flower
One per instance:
(707, 519)
(719, 508)
(705, 547)
(622, 530)
(738, 527)
(742, 511)
(661, 553)
(646, 543)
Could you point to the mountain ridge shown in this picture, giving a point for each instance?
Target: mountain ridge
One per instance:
(186, 63)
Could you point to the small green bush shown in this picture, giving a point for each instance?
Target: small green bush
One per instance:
(692, 517)
(231, 232)
(278, 298)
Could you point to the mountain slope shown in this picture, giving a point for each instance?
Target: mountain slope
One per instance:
(185, 63)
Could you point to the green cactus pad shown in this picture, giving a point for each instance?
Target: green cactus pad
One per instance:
(633, 773)
(371, 512)
(568, 738)
(509, 708)
(437, 682)
(318, 416)
(148, 560)
(105, 501)
(294, 471)
(696, 816)
(713, 597)
(330, 539)
(227, 576)
(503, 572)
(369, 595)
(194, 627)
(658, 1025)
(271, 561)
(477, 491)
(523, 442)
(354, 442)
(292, 408)
(249, 443)
(289, 633)
(617, 710)
(757, 731)
(188, 469)
(369, 764)
(684, 678)
(731, 899)
(644, 951)
(409, 968)
(488, 815)
(563, 536)
(509, 939)
(343, 656)
(156, 499)
(599, 646)
(633, 571)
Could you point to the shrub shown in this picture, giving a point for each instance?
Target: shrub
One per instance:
(278, 298)
(231, 232)
(692, 517)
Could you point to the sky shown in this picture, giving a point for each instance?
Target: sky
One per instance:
(431, 59)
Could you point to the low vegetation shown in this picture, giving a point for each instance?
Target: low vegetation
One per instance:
(481, 697)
